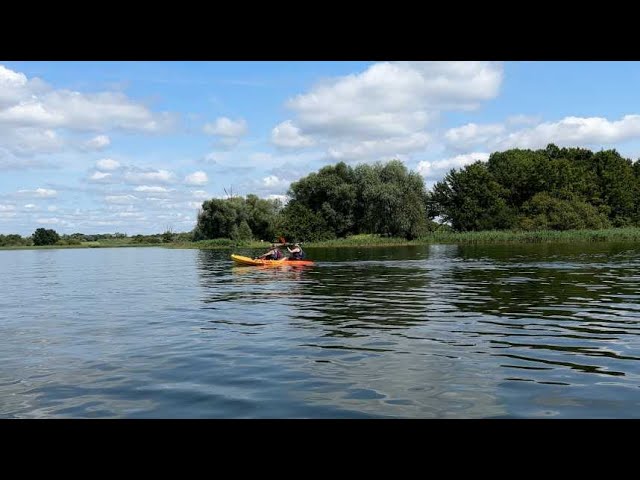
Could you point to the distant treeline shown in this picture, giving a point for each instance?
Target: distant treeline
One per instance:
(335, 202)
(517, 190)
(550, 189)
(44, 236)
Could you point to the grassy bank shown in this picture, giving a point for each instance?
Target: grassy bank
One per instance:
(99, 244)
(545, 236)
(487, 237)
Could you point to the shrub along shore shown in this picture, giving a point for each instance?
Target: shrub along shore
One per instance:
(629, 234)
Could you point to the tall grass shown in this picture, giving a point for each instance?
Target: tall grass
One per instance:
(628, 234)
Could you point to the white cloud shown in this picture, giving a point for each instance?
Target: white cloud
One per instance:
(26, 141)
(107, 164)
(79, 111)
(195, 205)
(38, 192)
(196, 178)
(379, 149)
(33, 115)
(120, 199)
(100, 177)
(392, 99)
(98, 142)
(274, 182)
(283, 198)
(29, 206)
(139, 177)
(52, 208)
(7, 208)
(151, 189)
(439, 168)
(200, 194)
(225, 127)
(569, 131)
(472, 134)
(574, 131)
(386, 110)
(287, 135)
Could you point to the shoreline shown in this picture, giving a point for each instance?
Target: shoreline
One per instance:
(629, 234)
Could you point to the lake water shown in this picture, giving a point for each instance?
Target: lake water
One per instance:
(440, 331)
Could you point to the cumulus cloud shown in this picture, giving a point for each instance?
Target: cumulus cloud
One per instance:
(569, 131)
(98, 142)
(27, 141)
(282, 198)
(100, 177)
(471, 134)
(387, 109)
(196, 178)
(437, 169)
(574, 131)
(274, 182)
(107, 164)
(287, 135)
(228, 131)
(379, 149)
(141, 177)
(226, 127)
(32, 115)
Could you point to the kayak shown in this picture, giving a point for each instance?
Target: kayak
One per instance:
(269, 263)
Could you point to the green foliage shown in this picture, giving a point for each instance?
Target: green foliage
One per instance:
(237, 218)
(471, 199)
(44, 236)
(14, 240)
(554, 188)
(299, 222)
(545, 212)
(338, 201)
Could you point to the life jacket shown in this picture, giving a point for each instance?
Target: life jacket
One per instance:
(277, 255)
(298, 255)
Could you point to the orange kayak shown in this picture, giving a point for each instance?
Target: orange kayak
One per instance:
(239, 259)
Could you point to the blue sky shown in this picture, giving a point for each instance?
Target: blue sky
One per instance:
(135, 147)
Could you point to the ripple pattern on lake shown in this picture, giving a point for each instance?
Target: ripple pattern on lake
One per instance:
(439, 331)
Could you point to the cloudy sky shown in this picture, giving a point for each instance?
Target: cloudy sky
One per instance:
(135, 147)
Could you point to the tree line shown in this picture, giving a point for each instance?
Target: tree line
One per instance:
(519, 189)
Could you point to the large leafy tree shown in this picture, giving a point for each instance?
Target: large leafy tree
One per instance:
(470, 199)
(238, 218)
(44, 236)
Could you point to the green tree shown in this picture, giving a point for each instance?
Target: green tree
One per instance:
(392, 200)
(45, 237)
(545, 212)
(332, 193)
(472, 200)
(299, 222)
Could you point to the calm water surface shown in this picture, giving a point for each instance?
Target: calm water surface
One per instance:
(439, 331)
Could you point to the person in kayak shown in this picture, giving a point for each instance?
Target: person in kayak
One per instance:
(273, 254)
(296, 253)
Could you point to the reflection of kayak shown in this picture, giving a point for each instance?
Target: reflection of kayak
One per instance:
(268, 263)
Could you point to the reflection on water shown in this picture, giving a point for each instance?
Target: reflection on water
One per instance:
(440, 331)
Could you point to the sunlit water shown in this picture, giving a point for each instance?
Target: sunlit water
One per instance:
(439, 331)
